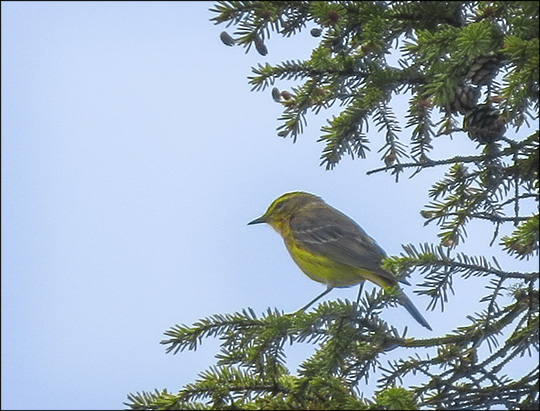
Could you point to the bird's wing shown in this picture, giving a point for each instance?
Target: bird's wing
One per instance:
(327, 231)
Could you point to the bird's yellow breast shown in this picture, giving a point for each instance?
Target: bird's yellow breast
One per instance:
(321, 268)
(324, 270)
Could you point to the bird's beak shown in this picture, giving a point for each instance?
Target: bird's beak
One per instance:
(258, 220)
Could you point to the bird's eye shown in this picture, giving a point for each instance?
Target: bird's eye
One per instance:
(278, 206)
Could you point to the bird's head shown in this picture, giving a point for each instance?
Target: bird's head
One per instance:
(285, 207)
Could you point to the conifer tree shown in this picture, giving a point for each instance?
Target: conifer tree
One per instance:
(468, 69)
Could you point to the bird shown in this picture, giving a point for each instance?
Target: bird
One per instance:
(330, 247)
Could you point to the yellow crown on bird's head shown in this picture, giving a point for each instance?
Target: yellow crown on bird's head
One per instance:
(285, 206)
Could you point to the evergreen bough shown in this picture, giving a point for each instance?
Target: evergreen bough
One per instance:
(474, 62)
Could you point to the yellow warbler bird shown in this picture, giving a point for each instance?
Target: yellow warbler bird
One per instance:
(329, 247)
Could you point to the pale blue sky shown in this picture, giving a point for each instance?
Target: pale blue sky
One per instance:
(133, 155)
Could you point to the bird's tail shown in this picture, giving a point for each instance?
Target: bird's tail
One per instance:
(410, 307)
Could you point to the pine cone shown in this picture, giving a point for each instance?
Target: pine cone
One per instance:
(227, 39)
(483, 69)
(484, 124)
(316, 32)
(286, 95)
(259, 45)
(464, 100)
(276, 95)
(337, 45)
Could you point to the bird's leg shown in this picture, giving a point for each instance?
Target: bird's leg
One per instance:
(305, 307)
(360, 289)
(357, 304)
